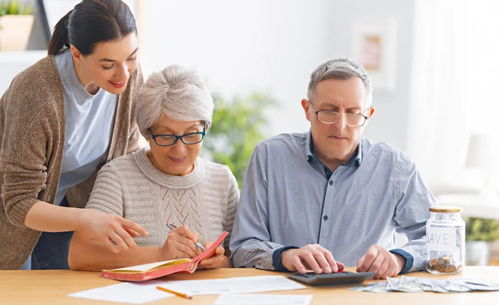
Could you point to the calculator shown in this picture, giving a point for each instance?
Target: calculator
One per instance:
(337, 278)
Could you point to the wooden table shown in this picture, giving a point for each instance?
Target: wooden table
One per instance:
(53, 286)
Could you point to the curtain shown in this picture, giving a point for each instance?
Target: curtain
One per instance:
(455, 79)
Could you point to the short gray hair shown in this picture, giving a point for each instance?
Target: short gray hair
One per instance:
(176, 92)
(339, 68)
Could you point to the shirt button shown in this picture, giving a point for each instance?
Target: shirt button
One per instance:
(330, 182)
(325, 217)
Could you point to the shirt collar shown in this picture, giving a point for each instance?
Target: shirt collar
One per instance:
(309, 154)
(357, 156)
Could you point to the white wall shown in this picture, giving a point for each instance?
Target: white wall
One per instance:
(390, 121)
(243, 46)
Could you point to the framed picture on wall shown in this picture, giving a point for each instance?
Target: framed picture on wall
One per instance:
(375, 49)
(51, 11)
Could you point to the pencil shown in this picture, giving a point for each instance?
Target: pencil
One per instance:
(198, 244)
(180, 294)
(171, 226)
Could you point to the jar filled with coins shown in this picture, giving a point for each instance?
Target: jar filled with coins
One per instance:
(445, 240)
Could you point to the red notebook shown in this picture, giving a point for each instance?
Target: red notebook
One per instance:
(154, 270)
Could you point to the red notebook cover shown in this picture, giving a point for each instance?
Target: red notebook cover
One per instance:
(154, 270)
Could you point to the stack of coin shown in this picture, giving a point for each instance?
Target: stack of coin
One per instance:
(443, 264)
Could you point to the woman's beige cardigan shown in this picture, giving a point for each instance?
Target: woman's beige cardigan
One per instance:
(31, 151)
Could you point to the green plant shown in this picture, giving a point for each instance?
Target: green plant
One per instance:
(482, 229)
(238, 125)
(15, 7)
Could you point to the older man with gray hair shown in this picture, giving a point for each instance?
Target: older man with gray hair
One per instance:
(312, 200)
(166, 185)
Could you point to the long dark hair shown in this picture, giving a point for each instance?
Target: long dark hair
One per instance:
(90, 22)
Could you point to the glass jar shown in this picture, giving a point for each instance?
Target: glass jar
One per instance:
(445, 240)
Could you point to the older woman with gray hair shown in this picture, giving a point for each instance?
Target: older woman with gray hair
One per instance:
(178, 197)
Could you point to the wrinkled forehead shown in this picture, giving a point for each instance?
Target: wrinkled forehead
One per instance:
(341, 93)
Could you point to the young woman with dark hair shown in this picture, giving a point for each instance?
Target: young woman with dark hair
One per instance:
(60, 121)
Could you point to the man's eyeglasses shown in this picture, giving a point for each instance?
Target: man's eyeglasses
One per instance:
(331, 117)
(352, 119)
(170, 139)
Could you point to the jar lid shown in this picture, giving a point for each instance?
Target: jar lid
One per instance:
(446, 209)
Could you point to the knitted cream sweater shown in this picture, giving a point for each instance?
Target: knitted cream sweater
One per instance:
(204, 200)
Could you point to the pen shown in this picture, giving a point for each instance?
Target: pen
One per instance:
(180, 294)
(198, 244)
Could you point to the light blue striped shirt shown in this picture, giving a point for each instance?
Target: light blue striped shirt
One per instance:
(290, 198)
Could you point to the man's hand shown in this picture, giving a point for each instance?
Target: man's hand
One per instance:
(114, 231)
(313, 256)
(218, 260)
(384, 263)
(180, 244)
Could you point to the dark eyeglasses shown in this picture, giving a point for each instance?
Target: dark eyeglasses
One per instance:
(170, 139)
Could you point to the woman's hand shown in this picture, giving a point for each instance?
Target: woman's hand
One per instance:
(180, 243)
(113, 231)
(218, 260)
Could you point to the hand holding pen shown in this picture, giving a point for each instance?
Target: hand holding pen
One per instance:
(197, 243)
(180, 243)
